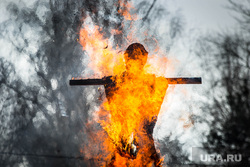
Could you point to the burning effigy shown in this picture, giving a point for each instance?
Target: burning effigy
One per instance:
(134, 101)
(134, 98)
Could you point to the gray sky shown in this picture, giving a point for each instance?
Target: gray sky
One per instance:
(205, 14)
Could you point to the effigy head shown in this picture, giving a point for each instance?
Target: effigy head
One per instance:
(135, 56)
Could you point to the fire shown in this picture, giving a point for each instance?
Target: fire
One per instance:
(103, 59)
(134, 101)
(134, 105)
(125, 10)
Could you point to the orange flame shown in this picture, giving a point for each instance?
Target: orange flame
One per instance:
(134, 104)
(125, 10)
(132, 107)
(103, 59)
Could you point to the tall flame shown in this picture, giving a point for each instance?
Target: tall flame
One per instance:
(135, 102)
(133, 106)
